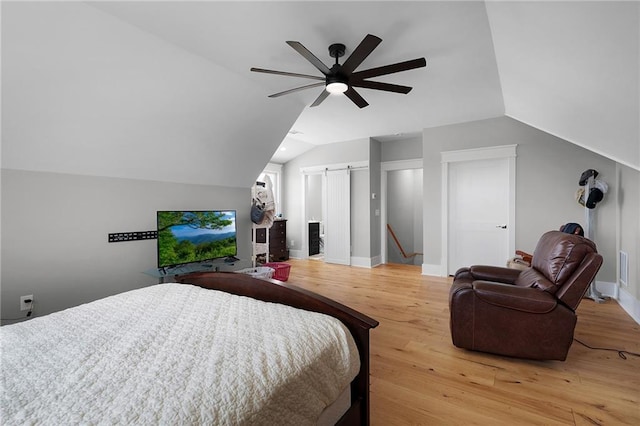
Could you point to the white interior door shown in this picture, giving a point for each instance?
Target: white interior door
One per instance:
(337, 217)
(479, 213)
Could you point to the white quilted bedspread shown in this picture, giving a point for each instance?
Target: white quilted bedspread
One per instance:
(174, 354)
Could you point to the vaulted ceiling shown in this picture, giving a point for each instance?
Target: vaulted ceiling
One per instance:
(162, 90)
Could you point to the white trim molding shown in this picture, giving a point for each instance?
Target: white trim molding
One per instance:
(607, 289)
(361, 262)
(432, 270)
(402, 164)
(311, 170)
(488, 153)
(622, 296)
(296, 254)
(629, 303)
(305, 172)
(273, 168)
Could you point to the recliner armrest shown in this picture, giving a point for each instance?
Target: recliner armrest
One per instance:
(494, 273)
(523, 299)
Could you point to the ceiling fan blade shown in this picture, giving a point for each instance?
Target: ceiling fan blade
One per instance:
(390, 69)
(297, 89)
(309, 56)
(381, 86)
(360, 53)
(355, 97)
(288, 74)
(320, 98)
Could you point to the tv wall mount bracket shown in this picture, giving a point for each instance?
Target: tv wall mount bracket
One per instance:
(119, 237)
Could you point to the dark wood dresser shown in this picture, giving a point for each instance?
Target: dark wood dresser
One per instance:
(278, 251)
(278, 241)
(314, 238)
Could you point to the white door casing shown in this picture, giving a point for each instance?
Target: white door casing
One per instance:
(342, 210)
(478, 191)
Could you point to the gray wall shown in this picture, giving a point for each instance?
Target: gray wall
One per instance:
(360, 214)
(403, 149)
(548, 170)
(55, 227)
(86, 93)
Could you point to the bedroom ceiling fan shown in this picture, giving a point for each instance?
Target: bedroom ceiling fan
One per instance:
(342, 78)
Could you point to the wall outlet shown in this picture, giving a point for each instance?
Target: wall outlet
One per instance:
(26, 302)
(293, 243)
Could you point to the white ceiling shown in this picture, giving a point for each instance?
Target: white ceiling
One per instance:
(459, 83)
(568, 68)
(572, 69)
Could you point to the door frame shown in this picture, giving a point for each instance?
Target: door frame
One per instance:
(496, 152)
(319, 170)
(386, 167)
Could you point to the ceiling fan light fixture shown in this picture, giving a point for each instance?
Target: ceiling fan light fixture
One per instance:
(337, 87)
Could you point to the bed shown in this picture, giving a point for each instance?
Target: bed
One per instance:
(215, 348)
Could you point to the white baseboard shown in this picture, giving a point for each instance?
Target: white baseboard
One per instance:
(607, 289)
(361, 262)
(629, 303)
(295, 254)
(434, 270)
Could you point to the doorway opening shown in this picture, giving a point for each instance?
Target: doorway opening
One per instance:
(315, 207)
(327, 203)
(404, 216)
(402, 212)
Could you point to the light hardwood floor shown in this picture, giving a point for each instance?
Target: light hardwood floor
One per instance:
(419, 378)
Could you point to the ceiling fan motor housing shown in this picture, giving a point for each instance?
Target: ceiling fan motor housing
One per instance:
(337, 50)
(336, 75)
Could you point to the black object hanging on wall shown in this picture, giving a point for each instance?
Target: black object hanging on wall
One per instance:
(119, 237)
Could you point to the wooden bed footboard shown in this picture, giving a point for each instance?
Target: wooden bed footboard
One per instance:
(287, 294)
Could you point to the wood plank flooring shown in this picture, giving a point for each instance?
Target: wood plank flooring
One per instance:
(419, 378)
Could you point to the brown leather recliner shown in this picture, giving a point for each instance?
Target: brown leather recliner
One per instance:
(525, 314)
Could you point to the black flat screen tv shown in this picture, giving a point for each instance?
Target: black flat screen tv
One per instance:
(195, 236)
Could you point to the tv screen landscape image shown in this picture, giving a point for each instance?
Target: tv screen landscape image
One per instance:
(195, 236)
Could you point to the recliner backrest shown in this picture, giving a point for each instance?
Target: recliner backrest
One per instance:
(561, 261)
(558, 255)
(577, 285)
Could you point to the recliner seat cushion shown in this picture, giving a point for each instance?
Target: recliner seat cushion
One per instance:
(511, 297)
(532, 278)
